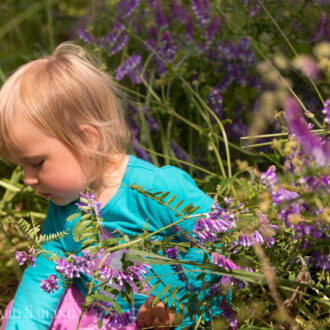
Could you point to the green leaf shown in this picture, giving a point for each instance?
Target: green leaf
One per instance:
(166, 289)
(110, 242)
(99, 322)
(116, 307)
(102, 297)
(72, 216)
(155, 301)
(163, 195)
(178, 204)
(173, 294)
(186, 207)
(171, 199)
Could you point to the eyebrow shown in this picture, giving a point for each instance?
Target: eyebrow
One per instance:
(33, 157)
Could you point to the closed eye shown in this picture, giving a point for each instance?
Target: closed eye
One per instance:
(37, 165)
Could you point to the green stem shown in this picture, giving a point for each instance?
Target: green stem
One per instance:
(217, 155)
(50, 25)
(261, 3)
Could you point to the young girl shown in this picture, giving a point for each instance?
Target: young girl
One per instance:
(61, 122)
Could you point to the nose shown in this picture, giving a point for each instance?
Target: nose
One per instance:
(30, 179)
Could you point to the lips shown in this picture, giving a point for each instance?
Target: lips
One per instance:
(45, 195)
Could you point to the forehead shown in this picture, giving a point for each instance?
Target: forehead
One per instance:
(29, 142)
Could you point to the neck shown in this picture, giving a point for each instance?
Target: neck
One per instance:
(112, 180)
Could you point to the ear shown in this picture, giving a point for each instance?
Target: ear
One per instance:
(90, 135)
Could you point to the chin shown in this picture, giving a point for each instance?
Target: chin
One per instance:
(61, 201)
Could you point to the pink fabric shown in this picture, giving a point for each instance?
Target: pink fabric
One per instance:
(68, 313)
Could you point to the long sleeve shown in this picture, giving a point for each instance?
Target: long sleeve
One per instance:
(33, 308)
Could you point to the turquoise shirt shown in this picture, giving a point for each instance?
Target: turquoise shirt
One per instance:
(127, 211)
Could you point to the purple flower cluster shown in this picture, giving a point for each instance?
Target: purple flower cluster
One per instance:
(293, 211)
(87, 203)
(321, 31)
(125, 8)
(112, 319)
(223, 262)
(264, 235)
(49, 285)
(228, 314)
(178, 151)
(131, 274)
(165, 51)
(85, 36)
(326, 112)
(115, 39)
(215, 100)
(130, 68)
(310, 144)
(202, 11)
(117, 321)
(216, 222)
(79, 264)
(252, 6)
(21, 258)
(173, 253)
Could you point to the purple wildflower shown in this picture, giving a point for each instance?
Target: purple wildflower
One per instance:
(310, 144)
(215, 102)
(65, 267)
(152, 123)
(21, 258)
(128, 66)
(252, 6)
(85, 36)
(135, 75)
(210, 33)
(179, 152)
(160, 19)
(221, 261)
(322, 29)
(173, 253)
(115, 39)
(79, 264)
(202, 11)
(214, 290)
(227, 201)
(237, 129)
(189, 29)
(228, 314)
(245, 240)
(216, 222)
(133, 272)
(177, 11)
(139, 151)
(122, 41)
(118, 321)
(165, 52)
(49, 285)
(112, 36)
(106, 273)
(88, 203)
(125, 8)
(326, 112)
(320, 260)
(269, 178)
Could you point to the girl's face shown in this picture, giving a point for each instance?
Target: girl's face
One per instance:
(50, 167)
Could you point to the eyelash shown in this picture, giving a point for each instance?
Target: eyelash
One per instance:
(38, 164)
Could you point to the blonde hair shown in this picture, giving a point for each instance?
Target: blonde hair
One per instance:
(59, 93)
